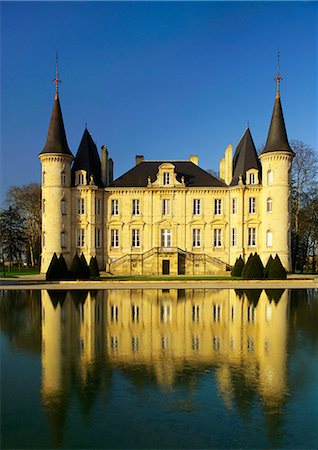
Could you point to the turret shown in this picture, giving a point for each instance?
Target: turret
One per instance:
(276, 159)
(56, 159)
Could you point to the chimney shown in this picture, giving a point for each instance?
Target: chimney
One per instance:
(194, 159)
(139, 159)
(110, 170)
(104, 168)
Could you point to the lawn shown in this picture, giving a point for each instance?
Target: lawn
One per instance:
(15, 271)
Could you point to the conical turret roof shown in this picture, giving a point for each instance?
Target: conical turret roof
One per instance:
(56, 141)
(87, 158)
(277, 140)
(245, 158)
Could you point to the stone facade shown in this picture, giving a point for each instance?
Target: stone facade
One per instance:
(167, 217)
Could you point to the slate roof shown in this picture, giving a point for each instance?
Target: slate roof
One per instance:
(56, 141)
(277, 137)
(245, 158)
(193, 175)
(87, 158)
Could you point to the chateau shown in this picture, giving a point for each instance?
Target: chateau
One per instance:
(166, 217)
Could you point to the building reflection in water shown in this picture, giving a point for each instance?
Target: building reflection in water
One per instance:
(165, 332)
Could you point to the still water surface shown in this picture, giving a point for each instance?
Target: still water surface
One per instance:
(159, 369)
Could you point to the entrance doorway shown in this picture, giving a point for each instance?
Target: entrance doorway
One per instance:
(165, 267)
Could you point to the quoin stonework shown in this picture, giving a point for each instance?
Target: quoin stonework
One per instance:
(166, 217)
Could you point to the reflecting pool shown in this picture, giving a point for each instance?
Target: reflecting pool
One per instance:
(150, 369)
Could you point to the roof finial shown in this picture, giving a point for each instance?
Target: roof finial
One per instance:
(278, 78)
(56, 79)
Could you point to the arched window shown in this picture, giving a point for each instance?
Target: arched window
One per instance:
(270, 177)
(269, 205)
(63, 178)
(269, 238)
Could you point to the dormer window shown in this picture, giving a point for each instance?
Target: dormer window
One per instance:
(80, 178)
(252, 178)
(166, 178)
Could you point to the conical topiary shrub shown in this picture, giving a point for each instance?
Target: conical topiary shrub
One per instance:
(276, 270)
(53, 271)
(238, 267)
(245, 268)
(64, 273)
(255, 269)
(76, 270)
(93, 267)
(85, 268)
(269, 262)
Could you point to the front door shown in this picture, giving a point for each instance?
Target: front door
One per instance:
(165, 267)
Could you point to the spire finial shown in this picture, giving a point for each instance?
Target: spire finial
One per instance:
(56, 79)
(278, 78)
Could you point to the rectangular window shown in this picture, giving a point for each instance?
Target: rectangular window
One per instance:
(166, 207)
(195, 313)
(252, 178)
(80, 237)
(81, 206)
(63, 207)
(217, 313)
(114, 238)
(63, 178)
(166, 238)
(217, 206)
(43, 205)
(251, 314)
(98, 237)
(114, 207)
(252, 205)
(165, 313)
(166, 178)
(234, 235)
(114, 313)
(135, 207)
(98, 206)
(217, 237)
(196, 206)
(251, 237)
(135, 313)
(63, 240)
(196, 237)
(234, 205)
(135, 237)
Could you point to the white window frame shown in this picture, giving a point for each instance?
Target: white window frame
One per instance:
(80, 237)
(166, 207)
(234, 205)
(98, 237)
(251, 236)
(196, 206)
(135, 237)
(114, 207)
(234, 237)
(269, 205)
(135, 210)
(217, 206)
(252, 178)
(166, 178)
(114, 238)
(252, 205)
(81, 205)
(166, 237)
(217, 237)
(196, 237)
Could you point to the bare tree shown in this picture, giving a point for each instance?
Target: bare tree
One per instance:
(27, 200)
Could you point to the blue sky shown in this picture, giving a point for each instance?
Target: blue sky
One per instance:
(162, 79)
